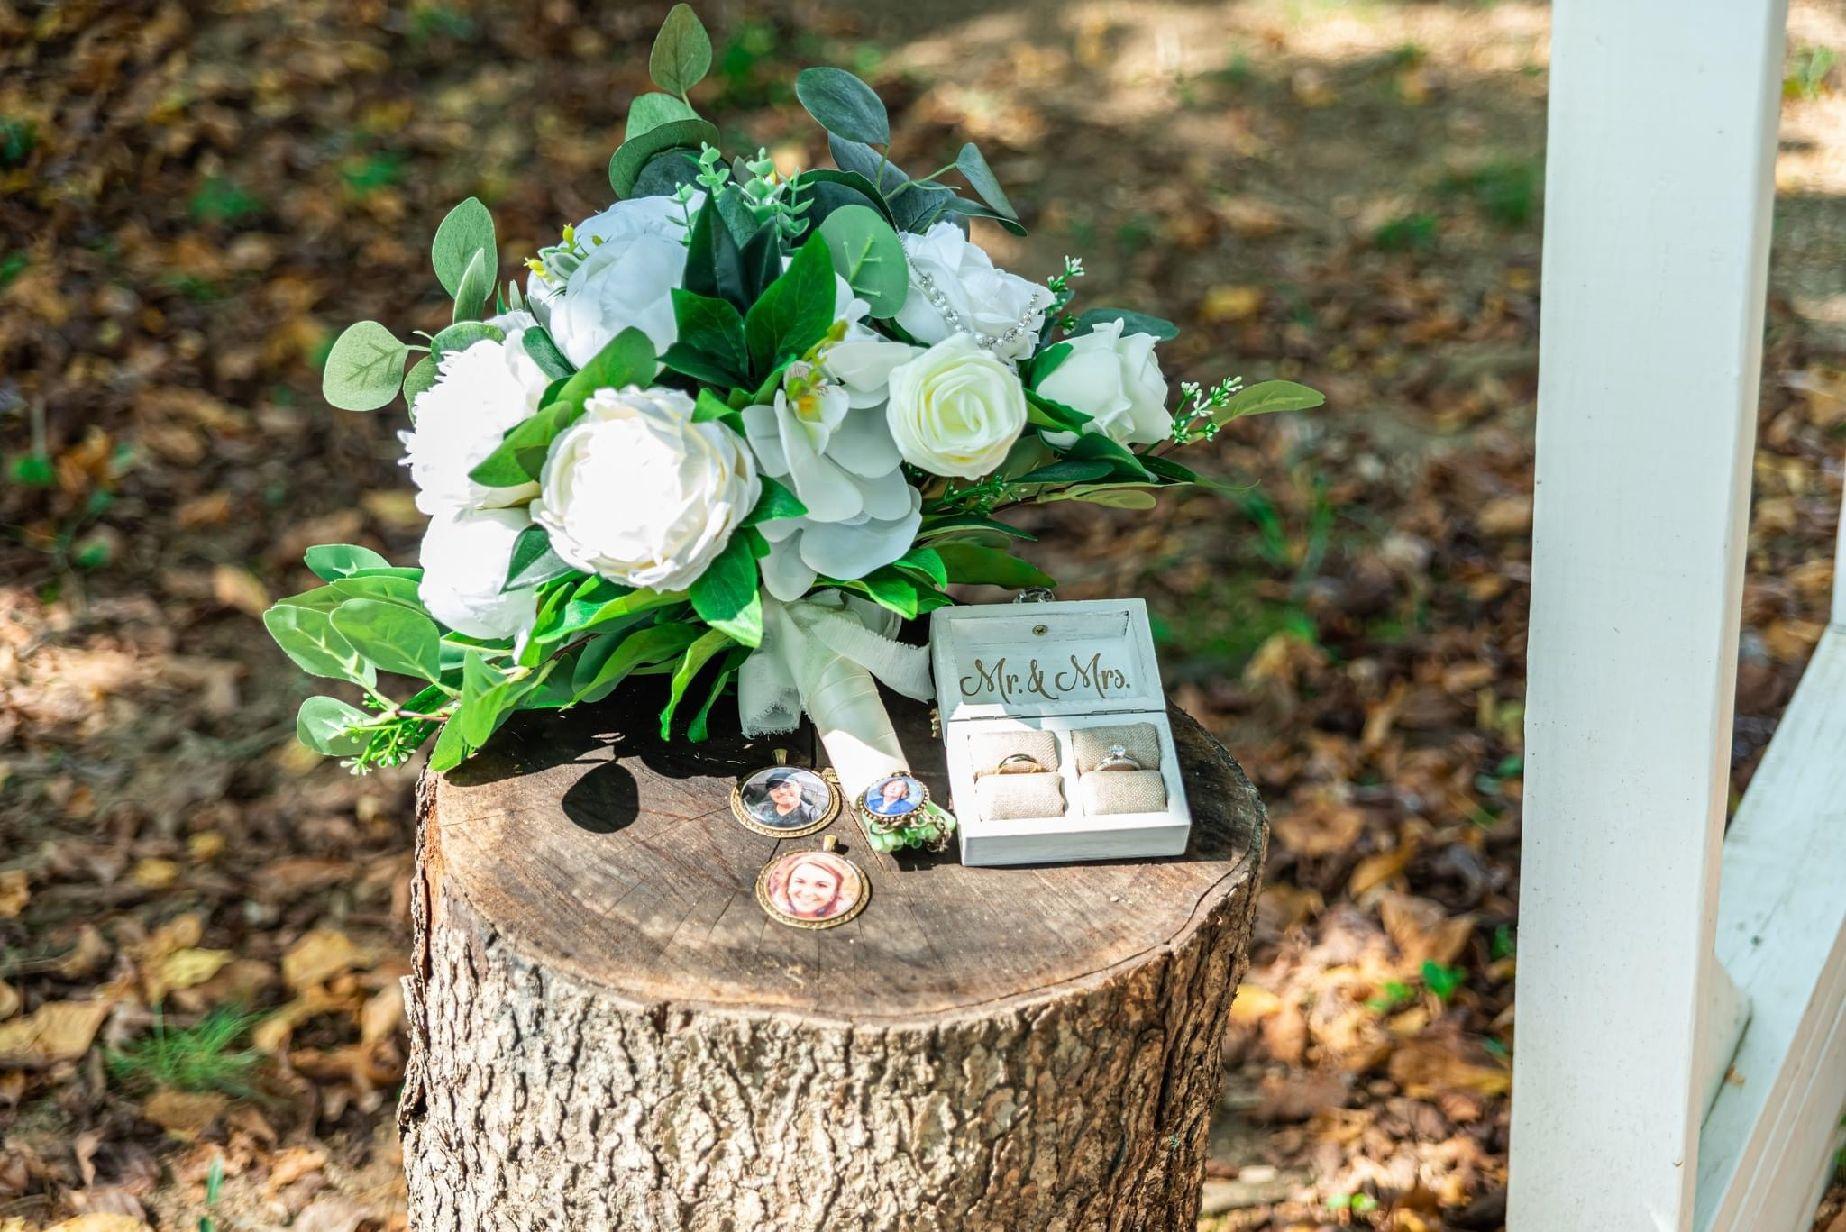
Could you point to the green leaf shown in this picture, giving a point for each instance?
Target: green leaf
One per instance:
(726, 597)
(306, 635)
(464, 334)
(696, 657)
(477, 283)
(597, 602)
(711, 345)
(831, 190)
(329, 561)
(776, 502)
(545, 353)
(1069, 470)
(972, 564)
(365, 368)
(451, 750)
(394, 637)
(608, 660)
(1112, 495)
(1267, 398)
(868, 255)
(324, 724)
(626, 163)
(1043, 412)
(421, 376)
(795, 312)
(960, 209)
(1132, 323)
(969, 526)
(711, 409)
(533, 562)
(650, 111)
(682, 52)
(464, 231)
(666, 173)
(874, 168)
(925, 564)
(843, 105)
(627, 359)
(1122, 460)
(385, 585)
(391, 636)
(699, 728)
(982, 179)
(488, 697)
(889, 589)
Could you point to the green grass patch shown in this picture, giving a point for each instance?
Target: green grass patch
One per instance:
(202, 1057)
(1506, 192)
(220, 200)
(1410, 233)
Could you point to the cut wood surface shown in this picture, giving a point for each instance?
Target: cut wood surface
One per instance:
(608, 1032)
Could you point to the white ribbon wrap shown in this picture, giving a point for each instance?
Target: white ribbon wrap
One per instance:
(825, 655)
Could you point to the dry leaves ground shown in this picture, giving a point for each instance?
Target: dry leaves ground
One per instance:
(200, 927)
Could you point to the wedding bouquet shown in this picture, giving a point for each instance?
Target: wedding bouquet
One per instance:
(733, 429)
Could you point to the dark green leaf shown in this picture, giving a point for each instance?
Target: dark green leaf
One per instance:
(329, 561)
(868, 164)
(843, 104)
(982, 179)
(699, 728)
(1132, 323)
(830, 190)
(365, 367)
(1069, 470)
(959, 209)
(921, 206)
(1096, 446)
(1046, 412)
(626, 163)
(710, 346)
(325, 725)
(665, 173)
(608, 659)
(695, 658)
(725, 596)
(464, 231)
(868, 255)
(682, 52)
(1046, 361)
(776, 502)
(714, 261)
(650, 111)
(973, 564)
(533, 562)
(391, 636)
(545, 353)
(795, 312)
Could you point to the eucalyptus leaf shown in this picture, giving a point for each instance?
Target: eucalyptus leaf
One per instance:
(626, 163)
(682, 52)
(392, 637)
(1267, 398)
(417, 381)
(959, 210)
(464, 334)
(545, 353)
(981, 178)
(1132, 323)
(650, 111)
(325, 725)
(365, 368)
(860, 159)
(665, 173)
(330, 561)
(1112, 495)
(843, 104)
(868, 255)
(464, 231)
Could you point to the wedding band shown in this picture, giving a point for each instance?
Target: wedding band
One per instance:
(1117, 758)
(1019, 763)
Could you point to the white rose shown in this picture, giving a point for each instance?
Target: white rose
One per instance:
(637, 492)
(465, 557)
(1117, 382)
(480, 393)
(983, 299)
(955, 410)
(619, 271)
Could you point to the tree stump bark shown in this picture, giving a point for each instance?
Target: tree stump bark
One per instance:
(608, 1033)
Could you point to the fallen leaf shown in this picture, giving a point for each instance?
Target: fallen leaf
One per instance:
(9, 1000)
(1425, 1068)
(1222, 304)
(100, 1223)
(15, 893)
(1253, 1004)
(330, 1212)
(56, 1031)
(184, 1114)
(154, 874)
(238, 588)
(1423, 931)
(319, 956)
(183, 969)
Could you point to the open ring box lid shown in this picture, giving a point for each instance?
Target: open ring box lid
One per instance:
(1058, 667)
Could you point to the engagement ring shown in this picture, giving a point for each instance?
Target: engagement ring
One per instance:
(1117, 758)
(1019, 763)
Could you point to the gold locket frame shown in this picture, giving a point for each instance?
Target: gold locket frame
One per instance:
(831, 847)
(830, 812)
(885, 823)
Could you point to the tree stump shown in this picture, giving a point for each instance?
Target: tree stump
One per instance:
(608, 1033)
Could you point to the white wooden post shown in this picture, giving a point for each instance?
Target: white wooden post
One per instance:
(1657, 211)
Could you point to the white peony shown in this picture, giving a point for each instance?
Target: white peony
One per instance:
(637, 492)
(1117, 382)
(480, 393)
(465, 557)
(827, 438)
(955, 410)
(618, 270)
(981, 298)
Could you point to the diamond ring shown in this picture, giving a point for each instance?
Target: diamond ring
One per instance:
(1117, 758)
